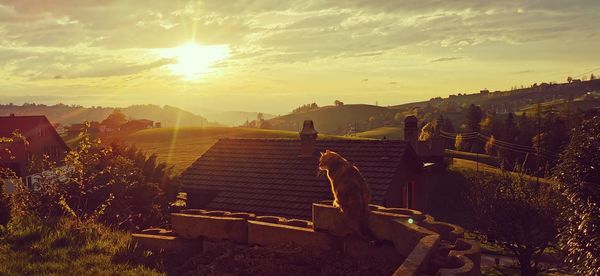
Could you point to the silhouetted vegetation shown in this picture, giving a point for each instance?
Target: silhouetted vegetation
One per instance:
(113, 185)
(307, 107)
(519, 215)
(579, 174)
(5, 206)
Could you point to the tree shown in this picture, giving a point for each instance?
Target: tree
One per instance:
(372, 121)
(473, 124)
(447, 126)
(115, 119)
(458, 142)
(578, 172)
(399, 117)
(509, 134)
(592, 76)
(569, 79)
(338, 103)
(473, 118)
(518, 215)
(489, 145)
(5, 206)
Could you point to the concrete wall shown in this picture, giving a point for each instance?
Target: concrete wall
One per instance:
(424, 245)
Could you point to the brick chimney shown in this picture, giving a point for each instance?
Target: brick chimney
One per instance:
(411, 131)
(308, 136)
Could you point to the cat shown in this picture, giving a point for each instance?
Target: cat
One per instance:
(351, 193)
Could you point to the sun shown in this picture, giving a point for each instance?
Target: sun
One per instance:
(192, 61)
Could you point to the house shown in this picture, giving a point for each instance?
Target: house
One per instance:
(38, 138)
(91, 127)
(135, 125)
(281, 177)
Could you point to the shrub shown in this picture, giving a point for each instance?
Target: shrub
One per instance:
(98, 183)
(579, 174)
(518, 215)
(5, 206)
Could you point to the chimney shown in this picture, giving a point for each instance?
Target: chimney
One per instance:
(308, 136)
(411, 131)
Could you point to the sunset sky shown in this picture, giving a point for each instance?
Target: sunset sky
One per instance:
(273, 55)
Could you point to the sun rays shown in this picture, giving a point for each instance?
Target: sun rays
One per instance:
(192, 60)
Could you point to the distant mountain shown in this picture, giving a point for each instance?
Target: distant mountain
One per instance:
(68, 114)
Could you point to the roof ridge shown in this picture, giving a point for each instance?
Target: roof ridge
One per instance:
(22, 116)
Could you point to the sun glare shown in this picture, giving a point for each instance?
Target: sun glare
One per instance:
(194, 60)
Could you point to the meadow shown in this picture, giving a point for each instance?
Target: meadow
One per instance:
(180, 147)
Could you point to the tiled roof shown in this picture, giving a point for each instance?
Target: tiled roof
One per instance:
(267, 176)
(28, 126)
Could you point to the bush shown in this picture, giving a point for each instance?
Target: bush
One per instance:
(579, 174)
(103, 184)
(5, 206)
(518, 215)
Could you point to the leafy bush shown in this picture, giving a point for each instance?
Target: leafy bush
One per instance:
(103, 184)
(516, 214)
(579, 174)
(5, 206)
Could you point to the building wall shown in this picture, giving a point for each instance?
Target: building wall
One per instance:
(407, 189)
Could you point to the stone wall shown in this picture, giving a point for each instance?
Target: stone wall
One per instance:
(426, 246)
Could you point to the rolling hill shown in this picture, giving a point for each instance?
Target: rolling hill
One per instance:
(340, 119)
(180, 147)
(232, 118)
(392, 133)
(169, 116)
(333, 119)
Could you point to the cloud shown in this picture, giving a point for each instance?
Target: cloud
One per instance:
(445, 59)
(58, 63)
(109, 70)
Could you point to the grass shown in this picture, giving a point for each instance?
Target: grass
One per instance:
(392, 133)
(64, 247)
(481, 158)
(460, 165)
(181, 147)
(30, 246)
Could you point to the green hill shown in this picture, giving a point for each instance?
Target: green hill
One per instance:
(392, 133)
(334, 119)
(181, 147)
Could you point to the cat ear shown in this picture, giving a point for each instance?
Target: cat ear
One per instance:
(322, 153)
(327, 151)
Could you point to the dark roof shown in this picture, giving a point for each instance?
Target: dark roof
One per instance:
(267, 176)
(27, 126)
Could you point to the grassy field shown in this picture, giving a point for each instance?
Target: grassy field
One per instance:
(63, 247)
(393, 133)
(481, 158)
(181, 147)
(463, 164)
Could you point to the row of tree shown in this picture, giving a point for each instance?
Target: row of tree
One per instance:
(532, 142)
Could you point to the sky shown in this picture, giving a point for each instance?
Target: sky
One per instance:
(274, 55)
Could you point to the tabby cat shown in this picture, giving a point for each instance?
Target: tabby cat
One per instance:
(351, 192)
